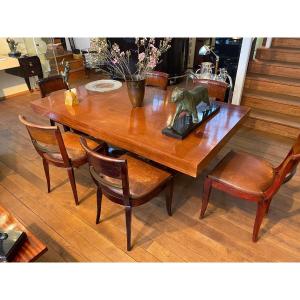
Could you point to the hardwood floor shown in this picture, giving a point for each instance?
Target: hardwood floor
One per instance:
(71, 233)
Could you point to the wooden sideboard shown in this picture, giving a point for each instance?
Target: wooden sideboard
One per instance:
(32, 248)
(28, 66)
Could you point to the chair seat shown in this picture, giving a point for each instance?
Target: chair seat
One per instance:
(143, 177)
(244, 172)
(73, 147)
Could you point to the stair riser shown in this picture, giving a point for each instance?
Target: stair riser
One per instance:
(60, 58)
(75, 64)
(287, 43)
(76, 75)
(264, 104)
(265, 86)
(271, 127)
(278, 55)
(266, 69)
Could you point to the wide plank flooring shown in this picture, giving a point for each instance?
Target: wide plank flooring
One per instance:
(71, 234)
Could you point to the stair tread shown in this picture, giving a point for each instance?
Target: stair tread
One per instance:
(273, 78)
(286, 42)
(60, 55)
(275, 117)
(286, 48)
(277, 63)
(281, 49)
(76, 69)
(270, 96)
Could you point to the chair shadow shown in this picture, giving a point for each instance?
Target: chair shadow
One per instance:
(181, 195)
(57, 186)
(274, 216)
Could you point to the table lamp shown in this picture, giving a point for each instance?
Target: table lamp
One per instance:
(204, 50)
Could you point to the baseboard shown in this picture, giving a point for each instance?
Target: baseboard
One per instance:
(17, 94)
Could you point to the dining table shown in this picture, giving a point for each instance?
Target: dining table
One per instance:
(109, 116)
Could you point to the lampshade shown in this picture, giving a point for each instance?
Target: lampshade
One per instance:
(204, 50)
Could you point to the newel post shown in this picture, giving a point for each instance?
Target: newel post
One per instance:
(241, 70)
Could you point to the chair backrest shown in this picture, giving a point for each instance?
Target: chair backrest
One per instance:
(157, 79)
(48, 142)
(110, 174)
(216, 89)
(286, 170)
(52, 84)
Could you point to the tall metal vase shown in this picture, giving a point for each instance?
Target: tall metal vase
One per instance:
(136, 91)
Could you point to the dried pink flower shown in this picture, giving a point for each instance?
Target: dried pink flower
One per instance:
(142, 56)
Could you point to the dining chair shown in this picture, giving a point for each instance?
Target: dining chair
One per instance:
(251, 178)
(157, 79)
(127, 181)
(52, 84)
(62, 150)
(216, 89)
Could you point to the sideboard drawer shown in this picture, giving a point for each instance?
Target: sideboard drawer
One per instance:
(31, 66)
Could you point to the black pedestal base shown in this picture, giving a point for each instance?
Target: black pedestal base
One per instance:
(14, 54)
(184, 125)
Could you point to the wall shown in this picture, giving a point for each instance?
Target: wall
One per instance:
(82, 43)
(4, 49)
(10, 84)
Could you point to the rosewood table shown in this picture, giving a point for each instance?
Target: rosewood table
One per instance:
(32, 248)
(110, 117)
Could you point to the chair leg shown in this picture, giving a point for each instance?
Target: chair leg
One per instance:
(128, 213)
(169, 197)
(99, 202)
(260, 213)
(52, 123)
(46, 169)
(66, 128)
(268, 206)
(73, 184)
(205, 196)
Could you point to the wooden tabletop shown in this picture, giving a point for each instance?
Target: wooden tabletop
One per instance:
(110, 117)
(32, 248)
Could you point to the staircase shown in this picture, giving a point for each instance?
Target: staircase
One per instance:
(76, 65)
(272, 88)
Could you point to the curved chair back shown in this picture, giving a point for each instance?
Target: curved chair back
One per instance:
(157, 79)
(48, 142)
(52, 84)
(110, 174)
(216, 89)
(287, 169)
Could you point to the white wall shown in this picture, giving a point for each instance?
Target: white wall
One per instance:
(82, 43)
(10, 84)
